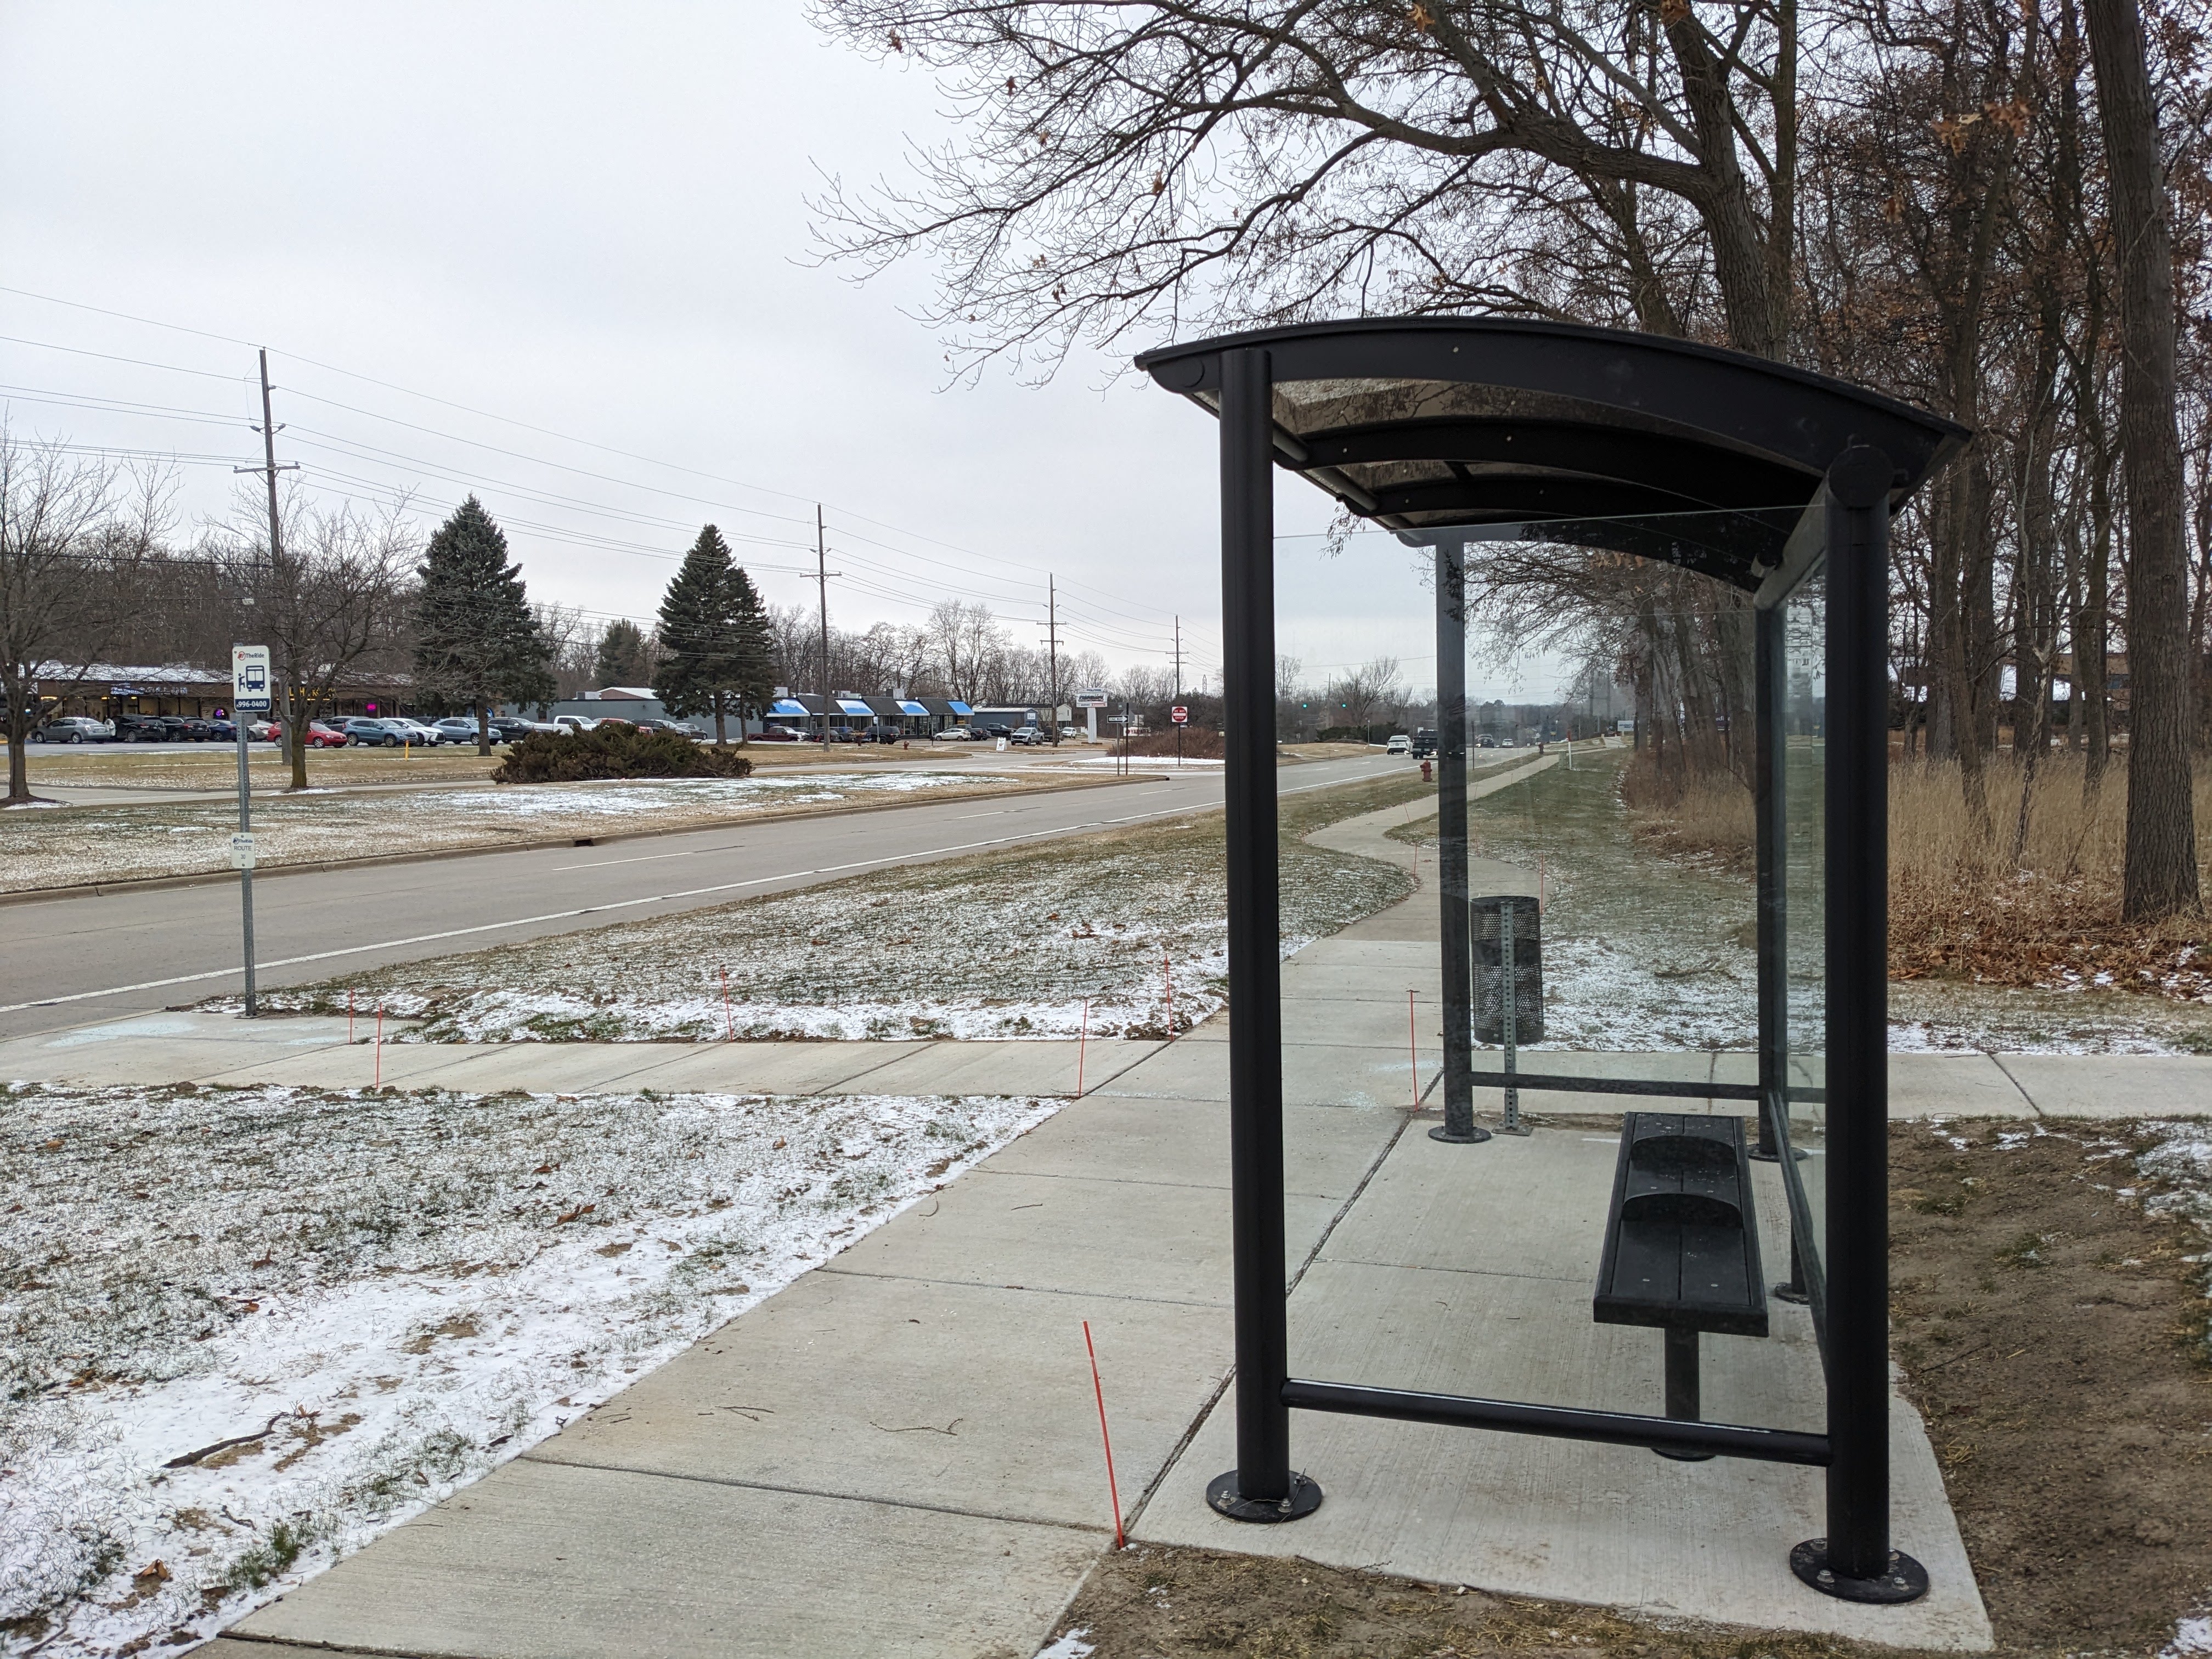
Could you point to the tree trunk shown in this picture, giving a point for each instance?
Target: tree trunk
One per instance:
(721, 736)
(483, 727)
(19, 766)
(292, 717)
(2160, 878)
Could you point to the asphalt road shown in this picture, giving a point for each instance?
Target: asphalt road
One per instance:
(72, 961)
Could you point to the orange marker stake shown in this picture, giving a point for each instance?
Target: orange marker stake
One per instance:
(348, 1017)
(1112, 1491)
(1167, 972)
(1413, 1042)
(729, 1025)
(1082, 1043)
(379, 1082)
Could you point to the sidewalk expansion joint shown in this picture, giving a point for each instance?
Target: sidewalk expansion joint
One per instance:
(814, 1492)
(235, 1635)
(1032, 1290)
(2034, 1110)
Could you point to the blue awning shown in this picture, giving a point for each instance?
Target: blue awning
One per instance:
(907, 706)
(786, 706)
(961, 708)
(854, 705)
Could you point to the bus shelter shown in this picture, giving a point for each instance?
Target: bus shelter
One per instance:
(1779, 483)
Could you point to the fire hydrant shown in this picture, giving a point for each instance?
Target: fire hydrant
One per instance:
(1428, 775)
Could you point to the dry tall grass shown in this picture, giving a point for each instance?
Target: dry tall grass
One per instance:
(1960, 905)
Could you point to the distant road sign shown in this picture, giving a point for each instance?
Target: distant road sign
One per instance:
(1090, 700)
(249, 677)
(1179, 714)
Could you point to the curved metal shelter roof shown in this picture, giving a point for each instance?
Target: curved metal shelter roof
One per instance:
(1556, 432)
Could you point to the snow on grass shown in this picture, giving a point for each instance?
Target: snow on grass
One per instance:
(1646, 951)
(249, 1329)
(1098, 933)
(115, 844)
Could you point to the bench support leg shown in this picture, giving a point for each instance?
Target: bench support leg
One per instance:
(1682, 1388)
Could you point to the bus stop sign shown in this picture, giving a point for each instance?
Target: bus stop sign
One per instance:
(249, 677)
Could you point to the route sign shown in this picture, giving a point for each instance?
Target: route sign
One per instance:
(1179, 714)
(249, 677)
(1090, 700)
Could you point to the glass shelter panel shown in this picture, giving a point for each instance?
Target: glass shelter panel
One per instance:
(1597, 696)
(1801, 770)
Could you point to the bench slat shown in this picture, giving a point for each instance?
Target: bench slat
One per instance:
(1682, 1244)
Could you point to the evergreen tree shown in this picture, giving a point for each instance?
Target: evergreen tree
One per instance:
(477, 641)
(623, 658)
(715, 655)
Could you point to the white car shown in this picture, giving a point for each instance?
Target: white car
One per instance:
(1400, 743)
(75, 728)
(416, 734)
(574, 723)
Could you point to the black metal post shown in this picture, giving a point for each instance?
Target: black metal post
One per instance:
(1769, 802)
(1261, 1487)
(1458, 945)
(1855, 1561)
(1682, 1389)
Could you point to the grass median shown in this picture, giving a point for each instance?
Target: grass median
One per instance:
(1114, 934)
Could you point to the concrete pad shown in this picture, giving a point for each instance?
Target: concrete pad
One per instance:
(1002, 1068)
(1525, 1516)
(736, 1068)
(1515, 1206)
(1088, 1237)
(2114, 1085)
(1326, 1149)
(1325, 979)
(964, 1397)
(540, 1562)
(549, 1067)
(145, 1061)
(1956, 1085)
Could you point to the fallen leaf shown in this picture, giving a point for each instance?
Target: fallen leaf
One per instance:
(153, 1573)
(580, 1210)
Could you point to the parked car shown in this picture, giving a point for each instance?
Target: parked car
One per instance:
(575, 723)
(1400, 743)
(1078, 732)
(881, 732)
(74, 728)
(457, 728)
(370, 733)
(776, 734)
(189, 728)
(1030, 737)
(223, 731)
(841, 734)
(321, 735)
(511, 728)
(415, 732)
(262, 731)
(677, 726)
(142, 728)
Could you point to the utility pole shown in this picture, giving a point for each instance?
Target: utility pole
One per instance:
(287, 725)
(1052, 647)
(822, 584)
(1177, 697)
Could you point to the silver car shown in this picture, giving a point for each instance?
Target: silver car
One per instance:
(75, 728)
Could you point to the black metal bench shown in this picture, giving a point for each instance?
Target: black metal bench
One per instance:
(1681, 1242)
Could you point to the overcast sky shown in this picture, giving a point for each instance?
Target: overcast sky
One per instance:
(591, 221)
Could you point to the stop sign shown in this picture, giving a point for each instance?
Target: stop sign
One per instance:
(1179, 714)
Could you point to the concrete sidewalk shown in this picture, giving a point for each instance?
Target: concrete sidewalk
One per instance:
(1359, 1011)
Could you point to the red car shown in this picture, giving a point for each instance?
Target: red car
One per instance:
(319, 736)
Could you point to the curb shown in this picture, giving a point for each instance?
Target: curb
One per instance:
(322, 866)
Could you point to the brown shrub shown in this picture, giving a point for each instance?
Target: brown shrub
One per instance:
(1198, 743)
(1706, 816)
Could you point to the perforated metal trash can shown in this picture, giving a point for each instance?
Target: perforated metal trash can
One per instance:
(1487, 925)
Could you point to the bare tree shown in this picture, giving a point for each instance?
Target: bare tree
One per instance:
(68, 562)
(1276, 159)
(335, 593)
(2160, 878)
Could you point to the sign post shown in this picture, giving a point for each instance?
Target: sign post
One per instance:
(1181, 716)
(1090, 702)
(249, 695)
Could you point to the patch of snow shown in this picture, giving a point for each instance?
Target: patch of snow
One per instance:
(252, 1328)
(1070, 1646)
(2191, 1637)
